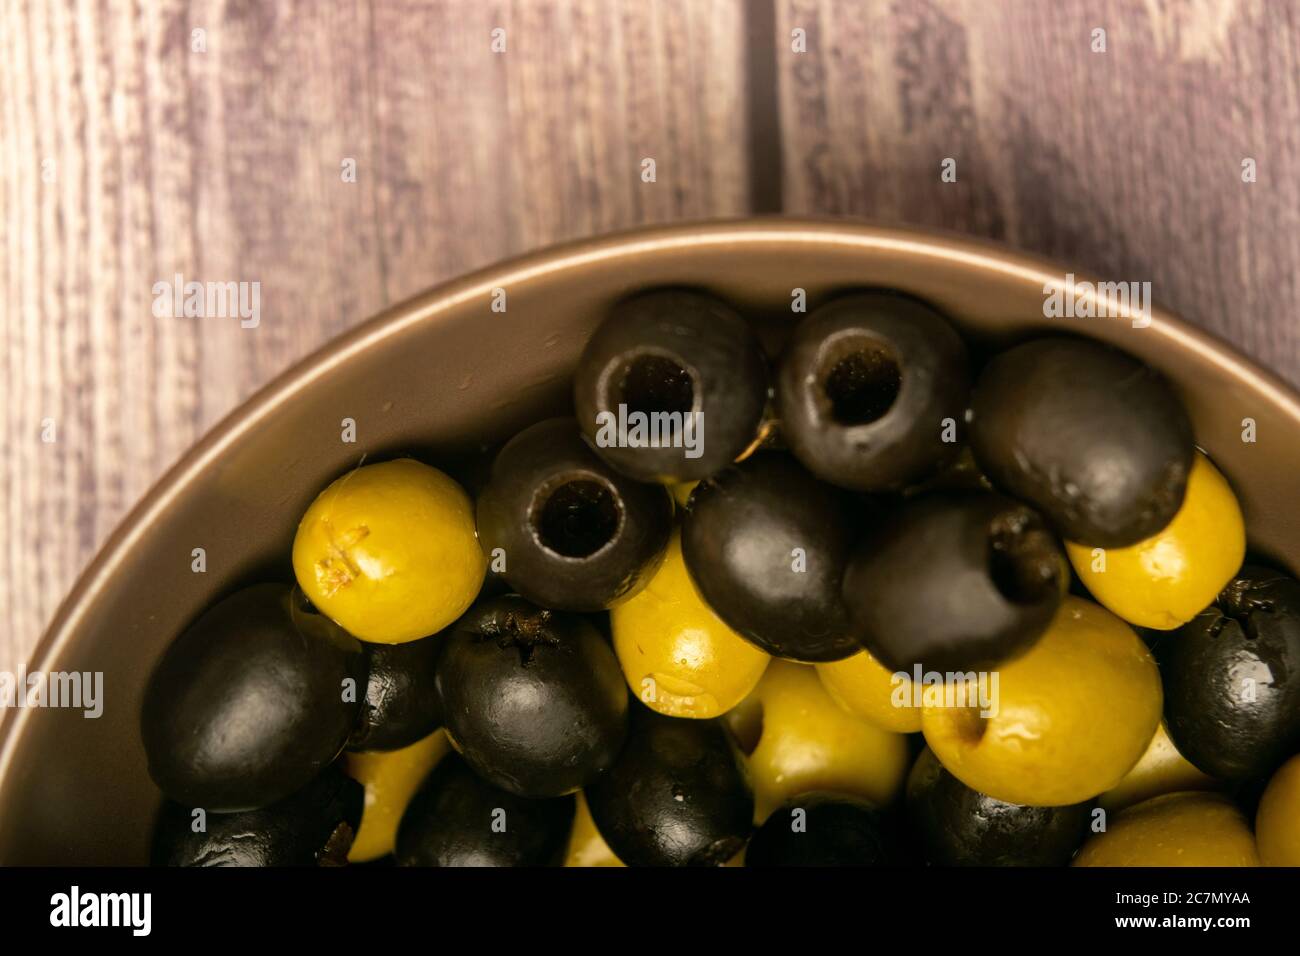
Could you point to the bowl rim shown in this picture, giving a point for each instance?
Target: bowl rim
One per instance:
(865, 236)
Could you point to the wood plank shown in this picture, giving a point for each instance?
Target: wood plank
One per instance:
(226, 165)
(1125, 163)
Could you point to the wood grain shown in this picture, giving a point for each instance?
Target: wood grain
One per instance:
(226, 165)
(127, 157)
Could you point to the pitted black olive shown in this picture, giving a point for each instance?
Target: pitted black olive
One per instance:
(766, 544)
(1232, 678)
(954, 581)
(872, 391)
(459, 819)
(573, 533)
(312, 827)
(685, 357)
(678, 795)
(823, 829)
(250, 703)
(533, 699)
(401, 703)
(1093, 438)
(958, 826)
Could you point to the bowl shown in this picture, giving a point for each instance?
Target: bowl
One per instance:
(445, 376)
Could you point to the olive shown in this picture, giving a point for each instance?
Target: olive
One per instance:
(1161, 769)
(391, 778)
(400, 704)
(954, 581)
(389, 552)
(533, 699)
(1232, 678)
(958, 826)
(312, 827)
(1093, 438)
(766, 544)
(459, 819)
(798, 739)
(678, 795)
(251, 702)
(678, 656)
(823, 828)
(871, 390)
(677, 361)
(1277, 822)
(1163, 581)
(1175, 829)
(872, 692)
(1065, 721)
(574, 534)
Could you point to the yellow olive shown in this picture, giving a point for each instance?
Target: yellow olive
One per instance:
(1165, 580)
(1277, 821)
(805, 741)
(586, 846)
(389, 551)
(677, 655)
(1070, 716)
(1161, 769)
(391, 778)
(1174, 829)
(865, 688)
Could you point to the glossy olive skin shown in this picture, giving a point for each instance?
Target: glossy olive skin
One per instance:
(739, 537)
(401, 703)
(576, 535)
(954, 581)
(534, 700)
(673, 350)
(836, 830)
(679, 794)
(866, 389)
(1251, 632)
(250, 702)
(312, 827)
(1090, 436)
(958, 826)
(459, 819)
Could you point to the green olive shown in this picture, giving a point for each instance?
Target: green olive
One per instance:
(389, 552)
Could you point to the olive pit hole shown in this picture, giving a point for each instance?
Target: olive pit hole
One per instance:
(862, 384)
(655, 383)
(577, 519)
(1024, 560)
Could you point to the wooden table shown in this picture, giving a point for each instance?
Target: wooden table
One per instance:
(212, 139)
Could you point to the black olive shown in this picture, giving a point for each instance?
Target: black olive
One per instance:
(678, 795)
(871, 391)
(766, 544)
(312, 827)
(1089, 435)
(534, 700)
(574, 534)
(255, 699)
(821, 828)
(958, 826)
(671, 353)
(457, 818)
(1232, 678)
(401, 702)
(954, 581)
